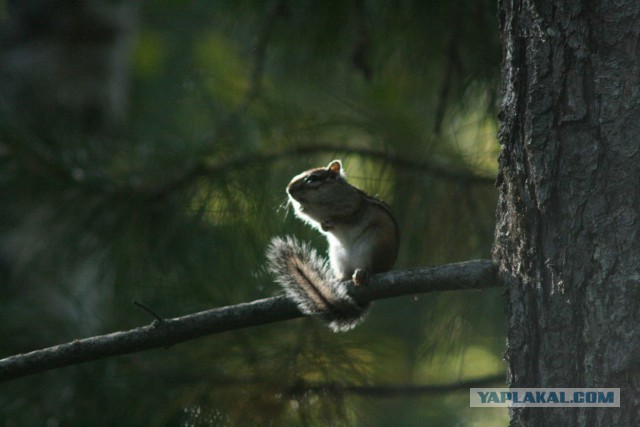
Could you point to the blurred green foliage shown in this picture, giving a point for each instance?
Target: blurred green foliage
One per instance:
(228, 101)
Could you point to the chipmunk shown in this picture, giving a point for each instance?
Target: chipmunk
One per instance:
(363, 239)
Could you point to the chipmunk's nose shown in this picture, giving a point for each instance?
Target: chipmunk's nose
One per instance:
(293, 188)
(295, 193)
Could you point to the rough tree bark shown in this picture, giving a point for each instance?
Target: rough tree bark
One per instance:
(567, 243)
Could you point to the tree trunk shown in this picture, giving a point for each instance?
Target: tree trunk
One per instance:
(567, 242)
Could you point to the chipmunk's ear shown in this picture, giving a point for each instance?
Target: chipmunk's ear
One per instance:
(335, 166)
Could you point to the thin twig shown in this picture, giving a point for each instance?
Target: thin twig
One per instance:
(148, 310)
(260, 56)
(453, 62)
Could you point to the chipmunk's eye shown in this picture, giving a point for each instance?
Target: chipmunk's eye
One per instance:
(311, 179)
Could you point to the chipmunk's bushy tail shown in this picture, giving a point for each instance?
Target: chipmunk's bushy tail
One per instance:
(308, 281)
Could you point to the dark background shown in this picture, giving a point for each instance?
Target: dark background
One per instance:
(144, 151)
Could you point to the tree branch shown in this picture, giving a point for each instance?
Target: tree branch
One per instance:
(440, 171)
(301, 387)
(443, 172)
(394, 390)
(476, 274)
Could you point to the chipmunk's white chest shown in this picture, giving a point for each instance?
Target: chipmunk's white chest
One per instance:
(350, 250)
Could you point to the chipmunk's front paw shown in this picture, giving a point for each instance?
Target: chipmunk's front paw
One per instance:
(360, 277)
